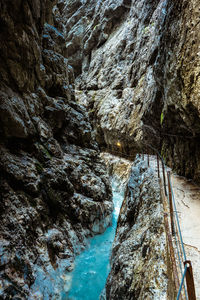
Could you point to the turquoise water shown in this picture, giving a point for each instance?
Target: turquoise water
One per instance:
(92, 265)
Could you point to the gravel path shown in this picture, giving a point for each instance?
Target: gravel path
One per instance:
(187, 197)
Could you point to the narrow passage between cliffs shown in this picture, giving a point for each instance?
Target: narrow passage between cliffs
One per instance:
(92, 265)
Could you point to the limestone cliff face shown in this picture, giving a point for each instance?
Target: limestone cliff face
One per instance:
(179, 56)
(139, 254)
(54, 188)
(135, 65)
(119, 170)
(118, 83)
(137, 72)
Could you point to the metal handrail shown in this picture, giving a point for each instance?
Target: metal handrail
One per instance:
(178, 224)
(180, 265)
(181, 284)
(178, 234)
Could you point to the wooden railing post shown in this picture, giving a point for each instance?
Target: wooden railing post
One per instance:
(148, 159)
(158, 167)
(170, 242)
(164, 180)
(190, 281)
(171, 204)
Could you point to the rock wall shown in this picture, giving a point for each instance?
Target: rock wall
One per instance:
(54, 188)
(137, 72)
(119, 170)
(139, 254)
(179, 56)
(135, 66)
(118, 84)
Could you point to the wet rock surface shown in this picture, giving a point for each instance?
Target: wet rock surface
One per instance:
(54, 187)
(139, 254)
(118, 84)
(139, 75)
(135, 66)
(119, 170)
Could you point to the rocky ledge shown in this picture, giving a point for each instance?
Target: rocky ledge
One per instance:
(139, 254)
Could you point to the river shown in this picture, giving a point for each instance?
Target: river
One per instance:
(92, 265)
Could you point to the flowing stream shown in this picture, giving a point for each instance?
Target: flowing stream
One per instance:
(92, 265)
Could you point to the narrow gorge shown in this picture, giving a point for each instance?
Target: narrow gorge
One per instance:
(86, 88)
